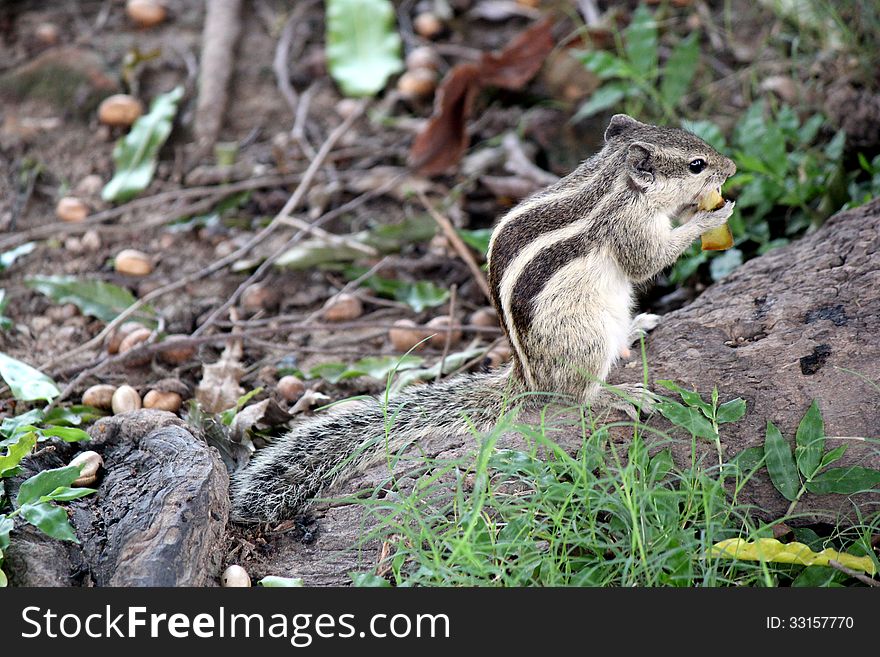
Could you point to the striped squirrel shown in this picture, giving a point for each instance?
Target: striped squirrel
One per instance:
(562, 269)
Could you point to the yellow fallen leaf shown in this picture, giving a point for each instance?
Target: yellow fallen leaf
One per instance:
(769, 549)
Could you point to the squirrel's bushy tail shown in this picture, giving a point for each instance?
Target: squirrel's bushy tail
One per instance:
(283, 476)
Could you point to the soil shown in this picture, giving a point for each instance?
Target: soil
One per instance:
(52, 145)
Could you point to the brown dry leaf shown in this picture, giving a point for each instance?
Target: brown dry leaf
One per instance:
(261, 415)
(219, 388)
(521, 60)
(444, 138)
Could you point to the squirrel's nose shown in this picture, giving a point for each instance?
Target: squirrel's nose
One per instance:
(729, 167)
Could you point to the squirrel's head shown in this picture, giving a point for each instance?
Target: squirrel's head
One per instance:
(671, 167)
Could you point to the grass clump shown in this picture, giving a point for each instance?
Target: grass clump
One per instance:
(609, 515)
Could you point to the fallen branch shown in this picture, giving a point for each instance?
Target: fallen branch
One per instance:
(460, 247)
(219, 35)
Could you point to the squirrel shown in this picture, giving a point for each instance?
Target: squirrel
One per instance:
(562, 269)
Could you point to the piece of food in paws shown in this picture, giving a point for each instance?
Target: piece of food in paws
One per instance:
(717, 239)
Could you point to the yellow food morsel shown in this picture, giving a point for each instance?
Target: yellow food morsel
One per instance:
(717, 239)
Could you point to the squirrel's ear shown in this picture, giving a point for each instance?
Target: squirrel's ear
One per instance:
(619, 124)
(639, 156)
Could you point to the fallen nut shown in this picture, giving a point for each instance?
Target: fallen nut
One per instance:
(417, 83)
(88, 463)
(235, 577)
(99, 396)
(343, 307)
(120, 334)
(406, 335)
(90, 241)
(176, 350)
(439, 338)
(498, 355)
(134, 338)
(163, 401)
(125, 400)
(146, 13)
(486, 317)
(259, 297)
(119, 110)
(427, 25)
(71, 209)
(47, 33)
(290, 388)
(133, 263)
(422, 57)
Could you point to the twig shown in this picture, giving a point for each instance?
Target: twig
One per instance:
(452, 293)
(242, 332)
(459, 246)
(56, 229)
(267, 264)
(853, 573)
(260, 237)
(330, 238)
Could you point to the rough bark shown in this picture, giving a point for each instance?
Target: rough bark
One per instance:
(158, 519)
(780, 331)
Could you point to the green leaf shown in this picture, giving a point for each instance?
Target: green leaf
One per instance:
(6, 525)
(424, 294)
(136, 154)
(50, 519)
(272, 581)
(452, 362)
(332, 372)
(832, 456)
(477, 238)
(604, 97)
(640, 42)
(780, 463)
(16, 451)
(680, 69)
(687, 418)
(749, 459)
(45, 482)
(5, 322)
(25, 382)
(67, 434)
(95, 298)
(817, 577)
(707, 131)
(368, 580)
(605, 65)
(363, 47)
(7, 258)
(661, 466)
(73, 415)
(810, 441)
(66, 494)
(844, 481)
(379, 367)
(724, 263)
(731, 411)
(24, 422)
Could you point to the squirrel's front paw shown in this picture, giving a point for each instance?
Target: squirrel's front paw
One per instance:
(715, 218)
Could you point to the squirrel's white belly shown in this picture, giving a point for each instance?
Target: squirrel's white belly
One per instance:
(587, 304)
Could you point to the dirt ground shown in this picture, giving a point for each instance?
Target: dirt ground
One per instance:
(52, 145)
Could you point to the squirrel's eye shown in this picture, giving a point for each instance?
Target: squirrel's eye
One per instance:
(696, 166)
